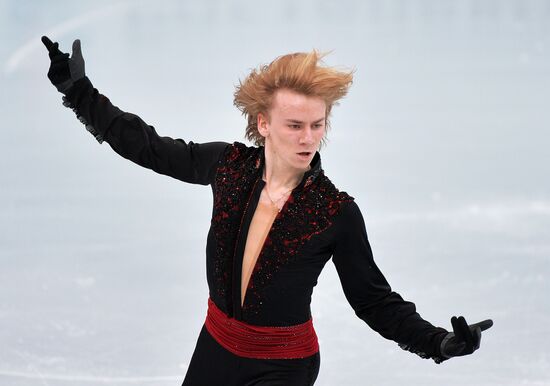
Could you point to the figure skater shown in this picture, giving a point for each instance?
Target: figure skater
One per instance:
(277, 219)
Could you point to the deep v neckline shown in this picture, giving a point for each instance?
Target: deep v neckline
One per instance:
(260, 227)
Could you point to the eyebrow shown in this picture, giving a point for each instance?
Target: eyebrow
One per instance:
(297, 121)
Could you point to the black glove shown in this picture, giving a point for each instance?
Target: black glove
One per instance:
(464, 339)
(64, 71)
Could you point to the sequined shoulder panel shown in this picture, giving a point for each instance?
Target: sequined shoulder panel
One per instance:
(234, 182)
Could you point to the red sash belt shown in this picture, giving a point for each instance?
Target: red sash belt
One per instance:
(246, 340)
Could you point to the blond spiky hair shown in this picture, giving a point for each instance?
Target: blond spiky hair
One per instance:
(299, 72)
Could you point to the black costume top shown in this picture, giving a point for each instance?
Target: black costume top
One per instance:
(317, 222)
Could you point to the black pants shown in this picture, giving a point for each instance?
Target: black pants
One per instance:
(213, 365)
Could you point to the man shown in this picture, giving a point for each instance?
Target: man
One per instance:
(277, 219)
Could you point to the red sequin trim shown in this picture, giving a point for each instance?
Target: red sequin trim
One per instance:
(246, 340)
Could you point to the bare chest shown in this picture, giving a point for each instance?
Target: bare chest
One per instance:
(261, 223)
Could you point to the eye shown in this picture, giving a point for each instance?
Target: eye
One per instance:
(294, 126)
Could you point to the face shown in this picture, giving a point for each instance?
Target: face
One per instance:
(296, 124)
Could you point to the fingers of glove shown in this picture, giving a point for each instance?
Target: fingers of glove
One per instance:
(54, 51)
(456, 329)
(77, 50)
(459, 330)
(47, 42)
(466, 333)
(484, 325)
(60, 58)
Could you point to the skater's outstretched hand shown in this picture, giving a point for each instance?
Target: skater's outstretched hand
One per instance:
(64, 70)
(464, 339)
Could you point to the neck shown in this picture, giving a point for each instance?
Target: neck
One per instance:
(278, 176)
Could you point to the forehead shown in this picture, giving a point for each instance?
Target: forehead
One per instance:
(287, 101)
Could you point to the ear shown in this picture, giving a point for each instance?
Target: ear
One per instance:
(262, 125)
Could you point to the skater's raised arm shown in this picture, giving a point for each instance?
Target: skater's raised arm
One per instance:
(125, 132)
(384, 310)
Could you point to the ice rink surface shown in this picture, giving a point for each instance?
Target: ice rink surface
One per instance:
(443, 141)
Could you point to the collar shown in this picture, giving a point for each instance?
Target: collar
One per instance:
(308, 177)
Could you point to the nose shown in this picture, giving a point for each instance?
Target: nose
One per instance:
(307, 136)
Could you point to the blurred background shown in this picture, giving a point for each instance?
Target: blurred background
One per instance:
(443, 141)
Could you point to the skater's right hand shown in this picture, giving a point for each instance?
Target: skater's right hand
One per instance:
(465, 339)
(64, 71)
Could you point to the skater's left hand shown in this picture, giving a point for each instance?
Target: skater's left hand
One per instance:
(464, 339)
(64, 70)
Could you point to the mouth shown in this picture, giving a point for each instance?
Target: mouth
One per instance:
(305, 156)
